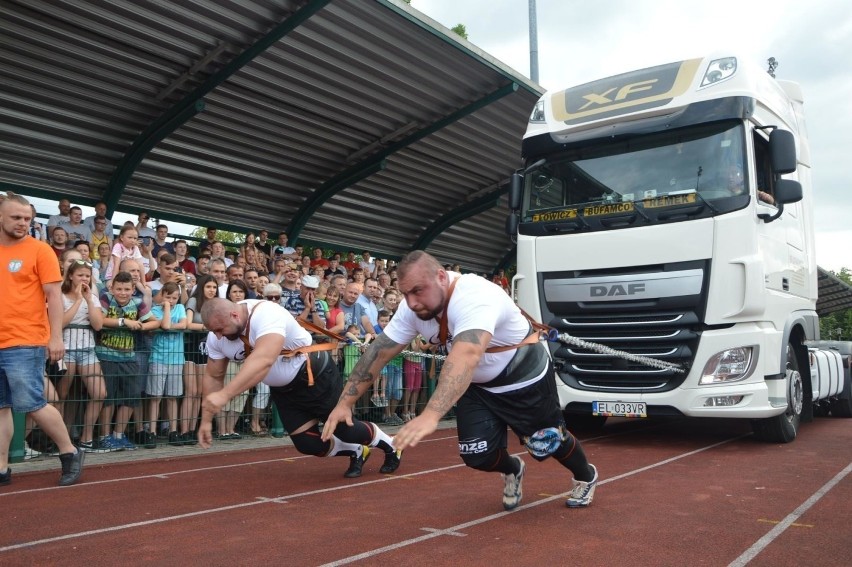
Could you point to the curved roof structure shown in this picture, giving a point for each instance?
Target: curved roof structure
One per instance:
(356, 124)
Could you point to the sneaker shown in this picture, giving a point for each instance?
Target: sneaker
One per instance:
(92, 446)
(377, 401)
(30, 453)
(356, 463)
(189, 438)
(144, 438)
(6, 477)
(583, 492)
(127, 444)
(110, 443)
(72, 467)
(393, 419)
(174, 439)
(513, 490)
(391, 463)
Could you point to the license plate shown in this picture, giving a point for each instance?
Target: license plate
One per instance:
(620, 409)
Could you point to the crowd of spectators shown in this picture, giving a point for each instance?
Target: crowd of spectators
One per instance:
(136, 341)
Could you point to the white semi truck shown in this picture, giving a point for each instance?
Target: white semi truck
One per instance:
(667, 213)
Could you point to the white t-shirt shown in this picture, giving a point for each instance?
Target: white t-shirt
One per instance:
(79, 339)
(268, 318)
(475, 304)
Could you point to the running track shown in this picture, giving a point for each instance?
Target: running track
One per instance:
(671, 493)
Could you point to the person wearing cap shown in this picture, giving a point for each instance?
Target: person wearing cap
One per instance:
(306, 306)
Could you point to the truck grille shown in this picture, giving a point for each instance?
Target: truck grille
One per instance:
(671, 337)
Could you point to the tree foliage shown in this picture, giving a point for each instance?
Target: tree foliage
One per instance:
(461, 30)
(229, 239)
(838, 325)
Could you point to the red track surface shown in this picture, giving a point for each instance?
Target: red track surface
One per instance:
(671, 493)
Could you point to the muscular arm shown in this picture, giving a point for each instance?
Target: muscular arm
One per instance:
(257, 365)
(368, 367)
(457, 372)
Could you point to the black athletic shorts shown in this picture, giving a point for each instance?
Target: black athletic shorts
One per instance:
(482, 416)
(299, 403)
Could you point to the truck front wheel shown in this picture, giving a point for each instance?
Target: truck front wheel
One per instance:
(783, 428)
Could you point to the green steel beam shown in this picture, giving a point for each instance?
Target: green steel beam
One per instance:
(193, 103)
(333, 186)
(466, 210)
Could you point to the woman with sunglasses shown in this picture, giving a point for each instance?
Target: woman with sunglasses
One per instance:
(82, 316)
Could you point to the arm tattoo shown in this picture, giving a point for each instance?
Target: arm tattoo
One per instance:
(456, 375)
(378, 350)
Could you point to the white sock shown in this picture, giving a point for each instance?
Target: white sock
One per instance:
(379, 436)
(338, 446)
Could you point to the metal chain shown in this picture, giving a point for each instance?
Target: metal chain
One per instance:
(603, 349)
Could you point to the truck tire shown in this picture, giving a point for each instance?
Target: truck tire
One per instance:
(842, 406)
(784, 428)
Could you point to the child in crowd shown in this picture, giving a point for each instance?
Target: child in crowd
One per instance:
(123, 314)
(391, 393)
(102, 261)
(125, 247)
(166, 370)
(355, 345)
(412, 371)
(82, 310)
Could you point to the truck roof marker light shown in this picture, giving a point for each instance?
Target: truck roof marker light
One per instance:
(537, 115)
(718, 70)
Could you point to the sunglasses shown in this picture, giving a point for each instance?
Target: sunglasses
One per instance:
(83, 263)
(273, 297)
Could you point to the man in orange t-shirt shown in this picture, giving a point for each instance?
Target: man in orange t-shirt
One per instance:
(29, 278)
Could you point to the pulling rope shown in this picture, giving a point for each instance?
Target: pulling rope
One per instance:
(567, 339)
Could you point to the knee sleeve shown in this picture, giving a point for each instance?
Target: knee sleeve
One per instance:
(310, 443)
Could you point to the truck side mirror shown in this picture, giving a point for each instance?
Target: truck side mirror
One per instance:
(782, 151)
(512, 221)
(516, 187)
(788, 191)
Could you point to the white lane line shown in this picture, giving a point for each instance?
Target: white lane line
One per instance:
(279, 499)
(782, 526)
(455, 530)
(166, 475)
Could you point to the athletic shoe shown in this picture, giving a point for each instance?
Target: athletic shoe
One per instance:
(513, 490)
(393, 419)
(72, 467)
(6, 477)
(110, 443)
(356, 463)
(92, 446)
(146, 439)
(582, 493)
(127, 444)
(189, 438)
(30, 453)
(391, 463)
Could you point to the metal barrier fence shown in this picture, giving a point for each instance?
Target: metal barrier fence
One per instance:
(122, 391)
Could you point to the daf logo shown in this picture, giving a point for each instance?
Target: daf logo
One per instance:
(616, 289)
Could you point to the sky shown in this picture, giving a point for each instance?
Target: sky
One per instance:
(579, 41)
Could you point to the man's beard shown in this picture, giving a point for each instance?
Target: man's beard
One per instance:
(433, 314)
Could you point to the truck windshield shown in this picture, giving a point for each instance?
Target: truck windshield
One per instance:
(644, 176)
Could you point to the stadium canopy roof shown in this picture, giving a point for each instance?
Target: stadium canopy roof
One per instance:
(356, 124)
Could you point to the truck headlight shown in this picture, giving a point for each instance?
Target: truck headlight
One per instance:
(729, 365)
(538, 112)
(719, 70)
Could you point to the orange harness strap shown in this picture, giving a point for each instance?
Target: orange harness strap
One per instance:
(307, 349)
(532, 338)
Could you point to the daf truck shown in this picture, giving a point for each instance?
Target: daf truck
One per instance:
(667, 213)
